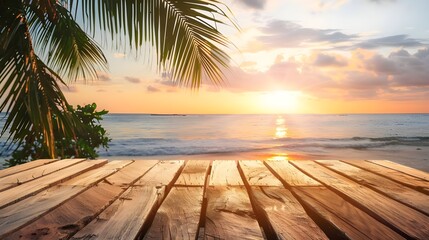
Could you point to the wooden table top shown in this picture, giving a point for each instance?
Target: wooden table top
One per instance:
(221, 199)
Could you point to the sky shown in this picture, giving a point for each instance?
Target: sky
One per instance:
(290, 56)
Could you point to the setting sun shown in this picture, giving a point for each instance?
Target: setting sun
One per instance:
(280, 101)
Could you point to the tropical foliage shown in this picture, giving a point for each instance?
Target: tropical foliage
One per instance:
(84, 145)
(44, 43)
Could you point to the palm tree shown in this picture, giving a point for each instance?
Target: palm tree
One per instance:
(42, 45)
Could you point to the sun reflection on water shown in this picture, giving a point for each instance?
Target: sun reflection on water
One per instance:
(281, 130)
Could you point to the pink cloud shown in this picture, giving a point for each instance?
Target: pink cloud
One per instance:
(363, 74)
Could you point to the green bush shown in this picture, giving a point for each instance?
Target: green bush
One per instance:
(84, 145)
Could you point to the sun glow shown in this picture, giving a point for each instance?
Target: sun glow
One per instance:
(280, 101)
(279, 157)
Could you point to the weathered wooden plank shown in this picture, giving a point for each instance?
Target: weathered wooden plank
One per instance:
(410, 181)
(71, 216)
(399, 192)
(179, 215)
(257, 174)
(341, 219)
(278, 211)
(403, 218)
(282, 216)
(17, 215)
(290, 175)
(34, 173)
(225, 173)
(162, 174)
(123, 223)
(230, 214)
(78, 211)
(194, 173)
(131, 173)
(405, 169)
(25, 167)
(124, 218)
(22, 191)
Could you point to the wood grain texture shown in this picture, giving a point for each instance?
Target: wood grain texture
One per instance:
(126, 200)
(21, 213)
(162, 174)
(225, 173)
(282, 215)
(179, 215)
(194, 173)
(71, 216)
(344, 217)
(403, 218)
(257, 174)
(22, 191)
(78, 211)
(399, 167)
(399, 192)
(230, 214)
(408, 180)
(34, 173)
(126, 216)
(25, 167)
(290, 175)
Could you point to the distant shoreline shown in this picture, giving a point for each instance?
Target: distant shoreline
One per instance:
(166, 114)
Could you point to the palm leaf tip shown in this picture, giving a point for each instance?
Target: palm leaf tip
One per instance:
(184, 34)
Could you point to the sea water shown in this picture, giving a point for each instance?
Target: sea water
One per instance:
(399, 137)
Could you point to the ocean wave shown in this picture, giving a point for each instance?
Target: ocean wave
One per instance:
(356, 142)
(172, 146)
(158, 147)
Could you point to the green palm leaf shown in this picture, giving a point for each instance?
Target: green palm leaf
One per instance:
(185, 41)
(29, 89)
(66, 47)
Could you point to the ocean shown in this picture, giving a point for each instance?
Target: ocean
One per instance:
(402, 138)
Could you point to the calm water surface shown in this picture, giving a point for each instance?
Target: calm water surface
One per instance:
(276, 136)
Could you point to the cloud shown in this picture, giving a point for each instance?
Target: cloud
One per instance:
(105, 77)
(380, 64)
(70, 88)
(362, 75)
(325, 60)
(167, 83)
(422, 54)
(132, 79)
(255, 4)
(277, 34)
(401, 40)
(412, 70)
(287, 34)
(162, 85)
(152, 89)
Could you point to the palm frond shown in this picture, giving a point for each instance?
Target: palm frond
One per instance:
(68, 50)
(29, 89)
(182, 33)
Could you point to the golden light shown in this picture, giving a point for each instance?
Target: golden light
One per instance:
(279, 157)
(280, 101)
(281, 130)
